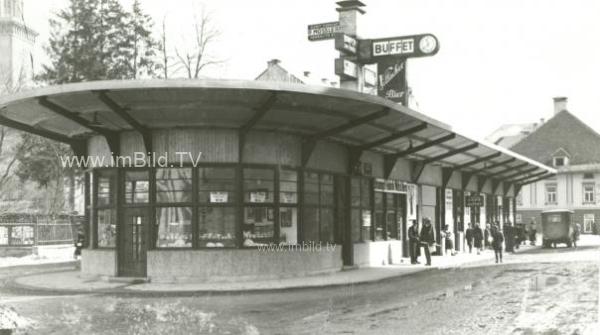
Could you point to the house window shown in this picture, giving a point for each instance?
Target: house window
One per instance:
(560, 161)
(551, 194)
(588, 194)
(588, 223)
(519, 218)
(519, 199)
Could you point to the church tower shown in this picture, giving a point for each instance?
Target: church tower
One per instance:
(16, 46)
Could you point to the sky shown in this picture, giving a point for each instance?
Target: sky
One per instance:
(500, 61)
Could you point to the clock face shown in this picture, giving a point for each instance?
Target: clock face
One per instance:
(428, 44)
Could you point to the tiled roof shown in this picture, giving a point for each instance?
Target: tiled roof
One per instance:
(562, 131)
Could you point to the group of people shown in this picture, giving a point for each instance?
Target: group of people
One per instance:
(424, 239)
(492, 237)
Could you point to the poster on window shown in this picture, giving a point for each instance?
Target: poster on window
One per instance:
(366, 218)
(219, 197)
(258, 196)
(287, 197)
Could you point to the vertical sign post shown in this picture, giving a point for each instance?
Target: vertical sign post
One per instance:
(349, 14)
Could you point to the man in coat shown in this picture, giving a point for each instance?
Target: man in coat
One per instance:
(469, 237)
(413, 240)
(497, 239)
(478, 238)
(532, 232)
(427, 238)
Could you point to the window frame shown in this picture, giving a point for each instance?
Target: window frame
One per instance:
(548, 195)
(114, 186)
(591, 222)
(584, 199)
(235, 204)
(319, 206)
(117, 176)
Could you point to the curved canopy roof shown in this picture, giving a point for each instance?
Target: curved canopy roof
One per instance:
(71, 112)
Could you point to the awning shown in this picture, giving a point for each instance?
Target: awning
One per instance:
(72, 112)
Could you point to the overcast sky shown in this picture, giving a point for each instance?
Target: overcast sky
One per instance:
(500, 61)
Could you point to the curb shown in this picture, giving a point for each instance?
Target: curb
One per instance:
(73, 263)
(123, 290)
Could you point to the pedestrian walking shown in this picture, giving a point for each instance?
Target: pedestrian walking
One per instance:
(469, 237)
(79, 242)
(427, 238)
(487, 236)
(532, 232)
(449, 245)
(576, 233)
(413, 240)
(497, 239)
(477, 238)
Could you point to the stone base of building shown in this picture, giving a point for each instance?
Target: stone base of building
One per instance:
(378, 253)
(230, 265)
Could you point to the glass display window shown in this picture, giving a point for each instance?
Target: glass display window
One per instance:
(174, 227)
(173, 185)
(217, 185)
(259, 185)
(216, 227)
(259, 226)
(137, 187)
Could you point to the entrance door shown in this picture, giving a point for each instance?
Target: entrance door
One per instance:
(132, 246)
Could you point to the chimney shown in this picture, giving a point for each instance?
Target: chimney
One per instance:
(560, 104)
(325, 81)
(542, 121)
(273, 62)
(306, 74)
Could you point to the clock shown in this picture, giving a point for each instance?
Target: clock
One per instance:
(428, 44)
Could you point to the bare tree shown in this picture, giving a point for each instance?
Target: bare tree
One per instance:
(163, 48)
(199, 55)
(8, 158)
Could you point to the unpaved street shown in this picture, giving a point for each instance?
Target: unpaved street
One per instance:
(539, 292)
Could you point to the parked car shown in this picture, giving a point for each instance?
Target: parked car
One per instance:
(556, 227)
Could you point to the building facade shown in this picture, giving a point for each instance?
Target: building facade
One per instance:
(261, 179)
(573, 148)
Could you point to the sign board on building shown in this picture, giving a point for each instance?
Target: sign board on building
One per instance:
(369, 51)
(219, 197)
(390, 186)
(345, 68)
(258, 196)
(392, 80)
(323, 31)
(370, 77)
(346, 44)
(474, 201)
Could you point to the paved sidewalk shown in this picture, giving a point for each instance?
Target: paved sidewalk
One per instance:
(74, 282)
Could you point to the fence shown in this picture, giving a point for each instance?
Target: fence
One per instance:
(24, 230)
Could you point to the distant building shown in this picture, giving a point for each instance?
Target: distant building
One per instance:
(276, 72)
(510, 134)
(16, 42)
(573, 148)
